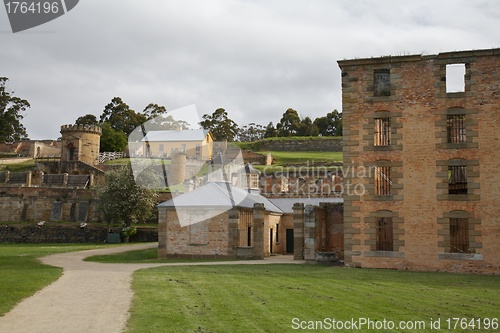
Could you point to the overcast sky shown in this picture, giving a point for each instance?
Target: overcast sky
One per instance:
(254, 58)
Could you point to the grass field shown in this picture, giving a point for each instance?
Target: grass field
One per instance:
(141, 256)
(18, 167)
(262, 298)
(22, 274)
(292, 157)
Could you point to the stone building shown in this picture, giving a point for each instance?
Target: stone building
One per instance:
(421, 161)
(80, 143)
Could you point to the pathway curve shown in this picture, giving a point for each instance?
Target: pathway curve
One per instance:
(89, 297)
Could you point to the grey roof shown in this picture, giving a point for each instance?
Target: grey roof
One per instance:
(248, 168)
(286, 204)
(219, 195)
(172, 135)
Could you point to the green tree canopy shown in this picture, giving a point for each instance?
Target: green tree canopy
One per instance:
(289, 123)
(270, 131)
(159, 119)
(222, 127)
(307, 128)
(11, 109)
(330, 125)
(121, 117)
(88, 119)
(251, 132)
(122, 201)
(112, 140)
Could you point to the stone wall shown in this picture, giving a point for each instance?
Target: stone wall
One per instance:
(418, 155)
(66, 233)
(47, 204)
(302, 144)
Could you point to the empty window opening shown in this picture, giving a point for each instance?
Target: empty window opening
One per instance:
(459, 235)
(455, 78)
(385, 241)
(383, 181)
(456, 128)
(457, 179)
(381, 82)
(382, 132)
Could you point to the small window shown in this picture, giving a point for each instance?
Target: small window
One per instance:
(459, 235)
(382, 132)
(457, 179)
(277, 233)
(456, 128)
(183, 147)
(253, 180)
(385, 240)
(455, 78)
(198, 150)
(161, 147)
(383, 181)
(381, 82)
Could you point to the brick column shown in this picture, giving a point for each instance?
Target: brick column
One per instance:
(233, 234)
(162, 232)
(28, 179)
(298, 231)
(258, 231)
(310, 233)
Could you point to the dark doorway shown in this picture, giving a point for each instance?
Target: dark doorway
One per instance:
(271, 240)
(289, 240)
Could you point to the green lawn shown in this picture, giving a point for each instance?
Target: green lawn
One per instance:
(21, 274)
(141, 256)
(292, 157)
(263, 298)
(19, 167)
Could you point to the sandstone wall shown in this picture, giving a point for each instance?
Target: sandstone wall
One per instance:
(419, 203)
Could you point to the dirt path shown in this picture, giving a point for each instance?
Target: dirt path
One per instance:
(89, 297)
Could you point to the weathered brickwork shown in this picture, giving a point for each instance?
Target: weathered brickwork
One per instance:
(36, 204)
(418, 156)
(80, 143)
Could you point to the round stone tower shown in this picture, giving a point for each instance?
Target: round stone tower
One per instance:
(80, 143)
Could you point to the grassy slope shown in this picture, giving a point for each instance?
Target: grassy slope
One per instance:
(266, 298)
(22, 274)
(18, 167)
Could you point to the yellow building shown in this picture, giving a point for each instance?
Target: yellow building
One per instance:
(194, 143)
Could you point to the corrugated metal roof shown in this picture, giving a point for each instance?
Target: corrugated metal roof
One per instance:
(286, 204)
(219, 195)
(171, 136)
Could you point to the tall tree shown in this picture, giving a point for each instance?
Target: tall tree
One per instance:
(11, 108)
(121, 117)
(159, 119)
(112, 140)
(330, 125)
(307, 128)
(222, 127)
(270, 131)
(88, 119)
(122, 201)
(289, 123)
(251, 132)
(152, 111)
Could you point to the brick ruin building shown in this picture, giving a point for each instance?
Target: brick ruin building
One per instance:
(421, 159)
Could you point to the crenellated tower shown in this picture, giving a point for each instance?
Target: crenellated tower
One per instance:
(80, 143)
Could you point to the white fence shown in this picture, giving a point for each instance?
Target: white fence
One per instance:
(109, 156)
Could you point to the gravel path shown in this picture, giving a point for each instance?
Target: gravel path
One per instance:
(89, 297)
